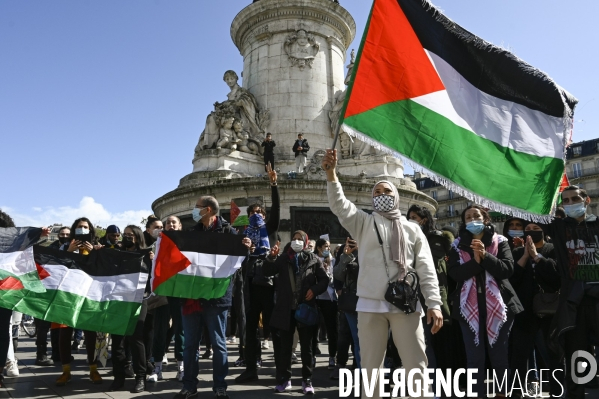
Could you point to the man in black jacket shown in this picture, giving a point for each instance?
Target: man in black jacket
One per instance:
(576, 242)
(269, 156)
(209, 312)
(301, 148)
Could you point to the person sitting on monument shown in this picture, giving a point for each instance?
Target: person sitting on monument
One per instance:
(269, 156)
(300, 148)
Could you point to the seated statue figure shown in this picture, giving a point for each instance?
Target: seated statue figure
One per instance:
(227, 136)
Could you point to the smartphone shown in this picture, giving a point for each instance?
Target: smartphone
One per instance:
(84, 237)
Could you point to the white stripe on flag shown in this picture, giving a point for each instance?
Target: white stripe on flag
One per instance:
(506, 123)
(19, 262)
(124, 287)
(208, 265)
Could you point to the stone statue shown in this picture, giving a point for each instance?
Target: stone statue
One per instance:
(301, 48)
(240, 106)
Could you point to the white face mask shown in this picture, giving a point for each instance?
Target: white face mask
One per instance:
(297, 245)
(384, 202)
(156, 232)
(81, 231)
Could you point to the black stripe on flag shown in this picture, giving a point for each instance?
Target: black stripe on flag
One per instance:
(489, 68)
(16, 239)
(101, 262)
(206, 242)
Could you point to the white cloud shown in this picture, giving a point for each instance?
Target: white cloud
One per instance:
(66, 215)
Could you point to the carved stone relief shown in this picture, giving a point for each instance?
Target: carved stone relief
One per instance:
(301, 48)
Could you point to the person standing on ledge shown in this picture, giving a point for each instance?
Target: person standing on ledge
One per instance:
(269, 156)
(301, 148)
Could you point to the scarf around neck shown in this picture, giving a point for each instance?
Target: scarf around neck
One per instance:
(496, 308)
(398, 243)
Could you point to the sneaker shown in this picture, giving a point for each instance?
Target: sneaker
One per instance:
(207, 354)
(156, 375)
(164, 360)
(43, 361)
(240, 362)
(284, 387)
(185, 394)
(307, 387)
(265, 344)
(12, 369)
(95, 377)
(247, 376)
(75, 346)
(221, 393)
(331, 363)
(294, 359)
(63, 379)
(180, 373)
(259, 363)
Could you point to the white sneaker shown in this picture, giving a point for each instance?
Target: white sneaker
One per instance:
(12, 369)
(153, 377)
(164, 359)
(156, 374)
(180, 373)
(265, 344)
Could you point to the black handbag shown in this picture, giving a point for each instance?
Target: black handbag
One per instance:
(347, 301)
(545, 303)
(401, 293)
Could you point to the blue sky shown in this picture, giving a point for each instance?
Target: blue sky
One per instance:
(102, 102)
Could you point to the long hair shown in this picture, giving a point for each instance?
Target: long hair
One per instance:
(6, 220)
(140, 242)
(321, 242)
(483, 211)
(92, 230)
(424, 214)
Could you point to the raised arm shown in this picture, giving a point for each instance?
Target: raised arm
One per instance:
(272, 225)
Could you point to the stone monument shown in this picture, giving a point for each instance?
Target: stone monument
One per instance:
(293, 81)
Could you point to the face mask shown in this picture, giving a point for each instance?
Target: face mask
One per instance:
(326, 254)
(576, 210)
(297, 245)
(195, 214)
(536, 236)
(63, 240)
(156, 232)
(516, 233)
(256, 220)
(384, 202)
(475, 227)
(81, 231)
(128, 242)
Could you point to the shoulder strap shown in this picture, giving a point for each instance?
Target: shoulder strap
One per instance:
(382, 248)
(377, 232)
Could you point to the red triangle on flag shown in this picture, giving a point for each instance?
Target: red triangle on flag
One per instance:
(235, 211)
(169, 261)
(10, 283)
(565, 182)
(43, 273)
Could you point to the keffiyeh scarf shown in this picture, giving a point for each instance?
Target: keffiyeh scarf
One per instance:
(496, 308)
(257, 233)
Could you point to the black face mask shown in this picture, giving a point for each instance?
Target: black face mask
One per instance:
(128, 242)
(63, 240)
(536, 236)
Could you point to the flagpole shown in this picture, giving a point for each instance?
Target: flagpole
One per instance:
(335, 139)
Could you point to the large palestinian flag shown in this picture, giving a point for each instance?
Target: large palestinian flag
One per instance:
(99, 292)
(17, 266)
(472, 115)
(196, 264)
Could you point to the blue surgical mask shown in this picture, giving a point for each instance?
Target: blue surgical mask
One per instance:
(326, 253)
(516, 233)
(575, 210)
(195, 214)
(475, 227)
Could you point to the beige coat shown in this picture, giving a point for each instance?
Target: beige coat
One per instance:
(372, 277)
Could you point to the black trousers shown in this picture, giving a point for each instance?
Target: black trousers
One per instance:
(65, 337)
(283, 341)
(261, 301)
(4, 334)
(162, 316)
(139, 343)
(344, 340)
(587, 322)
(269, 158)
(176, 327)
(42, 329)
(329, 312)
(524, 332)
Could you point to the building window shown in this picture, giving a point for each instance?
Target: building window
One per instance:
(434, 194)
(450, 209)
(577, 151)
(452, 224)
(576, 170)
(421, 183)
(450, 194)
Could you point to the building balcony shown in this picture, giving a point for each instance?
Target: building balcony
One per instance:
(578, 173)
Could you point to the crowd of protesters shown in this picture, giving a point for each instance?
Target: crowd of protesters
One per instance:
(513, 303)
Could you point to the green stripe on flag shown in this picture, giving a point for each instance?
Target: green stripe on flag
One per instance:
(497, 173)
(115, 317)
(194, 287)
(31, 281)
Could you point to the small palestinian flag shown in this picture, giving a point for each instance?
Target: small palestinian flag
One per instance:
(196, 264)
(101, 291)
(471, 115)
(17, 266)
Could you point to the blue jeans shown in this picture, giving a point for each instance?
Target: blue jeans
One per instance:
(352, 320)
(215, 319)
